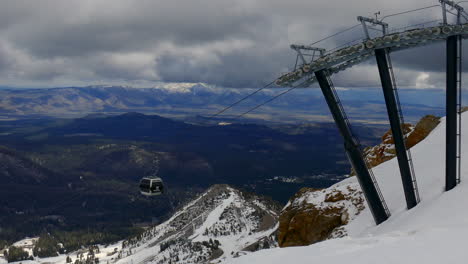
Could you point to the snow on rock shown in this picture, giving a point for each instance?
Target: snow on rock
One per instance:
(313, 215)
(218, 225)
(433, 232)
(182, 87)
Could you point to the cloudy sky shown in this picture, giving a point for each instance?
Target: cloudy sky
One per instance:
(227, 43)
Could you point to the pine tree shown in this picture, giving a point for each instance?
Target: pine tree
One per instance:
(16, 254)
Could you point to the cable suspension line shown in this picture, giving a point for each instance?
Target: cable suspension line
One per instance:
(340, 32)
(318, 41)
(241, 100)
(409, 11)
(419, 24)
(344, 45)
(266, 102)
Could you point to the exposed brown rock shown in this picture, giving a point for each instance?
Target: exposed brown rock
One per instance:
(334, 197)
(386, 150)
(387, 138)
(422, 129)
(303, 222)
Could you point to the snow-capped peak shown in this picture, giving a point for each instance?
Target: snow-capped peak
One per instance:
(183, 87)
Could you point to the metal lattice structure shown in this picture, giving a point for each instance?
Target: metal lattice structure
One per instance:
(347, 57)
(317, 66)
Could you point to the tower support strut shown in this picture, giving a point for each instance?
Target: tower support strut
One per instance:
(451, 113)
(368, 184)
(394, 112)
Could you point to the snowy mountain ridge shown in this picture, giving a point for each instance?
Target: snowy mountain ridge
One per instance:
(218, 225)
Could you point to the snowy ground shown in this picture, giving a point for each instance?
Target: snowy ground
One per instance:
(436, 231)
(106, 255)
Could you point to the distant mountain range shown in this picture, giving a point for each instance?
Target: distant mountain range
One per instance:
(187, 101)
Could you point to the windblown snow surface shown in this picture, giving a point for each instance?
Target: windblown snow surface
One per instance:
(435, 231)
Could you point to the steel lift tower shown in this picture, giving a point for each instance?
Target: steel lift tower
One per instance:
(453, 100)
(352, 146)
(395, 115)
(326, 63)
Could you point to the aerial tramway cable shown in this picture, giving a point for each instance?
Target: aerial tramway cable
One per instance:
(241, 100)
(336, 34)
(409, 11)
(266, 102)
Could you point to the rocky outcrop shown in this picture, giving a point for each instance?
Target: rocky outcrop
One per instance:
(422, 129)
(314, 215)
(414, 134)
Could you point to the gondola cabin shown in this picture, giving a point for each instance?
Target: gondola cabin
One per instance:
(151, 186)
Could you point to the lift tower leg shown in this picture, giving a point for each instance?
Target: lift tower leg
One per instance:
(368, 185)
(396, 126)
(451, 113)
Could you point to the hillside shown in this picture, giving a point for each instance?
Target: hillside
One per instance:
(219, 224)
(432, 232)
(246, 155)
(16, 169)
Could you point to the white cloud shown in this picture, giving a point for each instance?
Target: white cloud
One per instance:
(227, 43)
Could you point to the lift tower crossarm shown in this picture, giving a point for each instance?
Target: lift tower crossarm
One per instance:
(372, 21)
(305, 47)
(444, 4)
(299, 48)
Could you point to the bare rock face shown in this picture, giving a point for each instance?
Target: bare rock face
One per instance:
(422, 130)
(313, 215)
(414, 134)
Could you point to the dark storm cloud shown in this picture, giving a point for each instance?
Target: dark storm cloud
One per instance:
(6, 59)
(426, 58)
(137, 28)
(237, 43)
(238, 69)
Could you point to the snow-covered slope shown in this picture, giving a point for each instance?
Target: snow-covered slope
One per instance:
(220, 224)
(435, 231)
